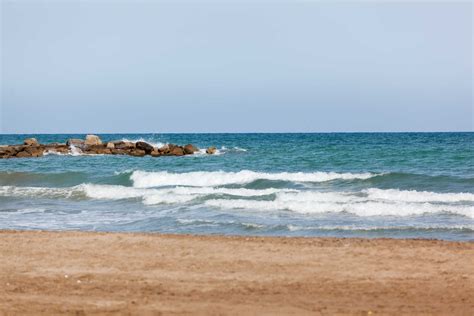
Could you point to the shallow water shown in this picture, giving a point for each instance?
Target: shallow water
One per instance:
(340, 184)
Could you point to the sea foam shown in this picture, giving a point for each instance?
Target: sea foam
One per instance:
(154, 144)
(368, 202)
(359, 209)
(418, 196)
(142, 179)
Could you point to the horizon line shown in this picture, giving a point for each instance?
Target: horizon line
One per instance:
(330, 132)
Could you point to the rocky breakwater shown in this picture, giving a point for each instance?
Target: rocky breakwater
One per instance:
(93, 145)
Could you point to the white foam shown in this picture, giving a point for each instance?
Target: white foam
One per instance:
(111, 192)
(142, 179)
(370, 202)
(373, 228)
(117, 192)
(154, 144)
(30, 210)
(53, 152)
(360, 209)
(36, 191)
(74, 150)
(236, 148)
(418, 196)
(167, 198)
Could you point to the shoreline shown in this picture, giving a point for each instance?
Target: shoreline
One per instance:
(46, 272)
(231, 236)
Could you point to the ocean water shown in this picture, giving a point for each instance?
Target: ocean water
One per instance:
(400, 185)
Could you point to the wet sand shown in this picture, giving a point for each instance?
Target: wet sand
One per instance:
(88, 273)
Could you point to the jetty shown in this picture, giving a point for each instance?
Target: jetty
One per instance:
(93, 145)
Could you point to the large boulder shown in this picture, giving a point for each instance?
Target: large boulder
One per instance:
(8, 151)
(164, 149)
(119, 151)
(137, 152)
(177, 151)
(155, 152)
(23, 154)
(92, 140)
(98, 149)
(211, 150)
(110, 145)
(147, 148)
(190, 149)
(35, 151)
(31, 142)
(120, 144)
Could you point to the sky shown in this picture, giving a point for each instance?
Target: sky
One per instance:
(248, 66)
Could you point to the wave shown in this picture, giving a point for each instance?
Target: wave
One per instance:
(36, 192)
(359, 209)
(57, 179)
(142, 179)
(418, 196)
(233, 149)
(352, 227)
(369, 202)
(119, 192)
(413, 180)
(355, 228)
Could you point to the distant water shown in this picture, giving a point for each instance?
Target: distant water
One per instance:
(416, 185)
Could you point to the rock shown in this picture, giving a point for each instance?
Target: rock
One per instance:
(190, 149)
(155, 152)
(31, 142)
(144, 146)
(177, 151)
(211, 150)
(119, 151)
(174, 150)
(35, 151)
(93, 140)
(164, 149)
(57, 148)
(79, 143)
(32, 148)
(23, 154)
(123, 145)
(98, 149)
(137, 153)
(63, 149)
(8, 151)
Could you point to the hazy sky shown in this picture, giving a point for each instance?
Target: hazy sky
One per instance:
(136, 66)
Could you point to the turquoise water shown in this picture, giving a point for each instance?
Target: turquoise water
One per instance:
(398, 185)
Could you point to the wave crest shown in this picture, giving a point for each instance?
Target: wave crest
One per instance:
(142, 179)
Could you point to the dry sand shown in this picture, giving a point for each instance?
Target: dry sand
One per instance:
(86, 273)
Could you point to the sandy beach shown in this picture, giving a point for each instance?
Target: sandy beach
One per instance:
(82, 272)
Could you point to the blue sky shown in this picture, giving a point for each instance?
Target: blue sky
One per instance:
(142, 66)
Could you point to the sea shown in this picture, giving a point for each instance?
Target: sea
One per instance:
(395, 185)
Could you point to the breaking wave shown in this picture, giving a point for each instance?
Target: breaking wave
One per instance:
(418, 196)
(370, 202)
(142, 179)
(154, 144)
(359, 209)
